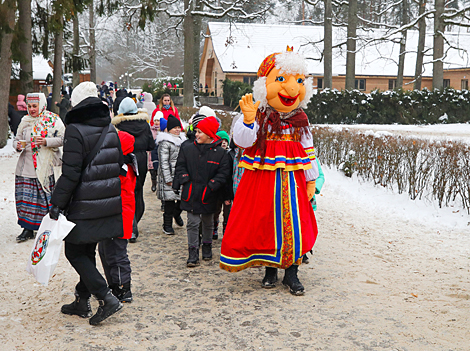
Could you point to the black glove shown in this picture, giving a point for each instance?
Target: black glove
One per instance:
(54, 212)
(176, 191)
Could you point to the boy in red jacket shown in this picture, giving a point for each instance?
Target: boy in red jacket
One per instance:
(113, 252)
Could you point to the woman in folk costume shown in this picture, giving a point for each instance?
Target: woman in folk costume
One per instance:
(39, 136)
(272, 222)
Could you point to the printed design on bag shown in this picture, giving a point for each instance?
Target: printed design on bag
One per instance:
(40, 248)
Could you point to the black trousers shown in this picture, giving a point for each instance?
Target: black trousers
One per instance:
(172, 208)
(83, 259)
(116, 264)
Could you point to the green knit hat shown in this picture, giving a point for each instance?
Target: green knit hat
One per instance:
(223, 135)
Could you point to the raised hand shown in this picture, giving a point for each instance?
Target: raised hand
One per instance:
(248, 108)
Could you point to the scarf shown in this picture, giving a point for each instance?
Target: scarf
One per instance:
(46, 125)
(295, 121)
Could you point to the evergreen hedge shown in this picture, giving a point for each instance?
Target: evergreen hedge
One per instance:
(388, 107)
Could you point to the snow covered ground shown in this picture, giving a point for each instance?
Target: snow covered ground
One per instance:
(436, 131)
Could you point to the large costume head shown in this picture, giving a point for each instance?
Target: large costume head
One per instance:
(282, 82)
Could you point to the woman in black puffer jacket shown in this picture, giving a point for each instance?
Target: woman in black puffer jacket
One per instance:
(136, 123)
(90, 196)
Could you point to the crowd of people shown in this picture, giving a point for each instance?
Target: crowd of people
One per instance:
(263, 169)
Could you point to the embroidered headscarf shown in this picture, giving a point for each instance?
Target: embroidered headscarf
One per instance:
(46, 125)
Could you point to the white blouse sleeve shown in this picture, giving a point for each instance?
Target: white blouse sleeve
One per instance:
(245, 135)
(307, 143)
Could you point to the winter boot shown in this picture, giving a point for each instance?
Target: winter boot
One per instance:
(108, 306)
(135, 232)
(215, 233)
(206, 251)
(292, 281)
(167, 224)
(179, 221)
(153, 177)
(270, 278)
(123, 292)
(193, 259)
(80, 307)
(25, 235)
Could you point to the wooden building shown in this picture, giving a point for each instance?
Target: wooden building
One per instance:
(235, 51)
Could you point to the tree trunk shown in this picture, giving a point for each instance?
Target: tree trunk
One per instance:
(92, 49)
(328, 46)
(351, 46)
(188, 27)
(57, 78)
(401, 57)
(197, 48)
(75, 51)
(438, 49)
(421, 42)
(26, 47)
(5, 63)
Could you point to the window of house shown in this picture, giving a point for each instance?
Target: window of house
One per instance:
(464, 84)
(446, 83)
(360, 84)
(249, 79)
(319, 83)
(392, 84)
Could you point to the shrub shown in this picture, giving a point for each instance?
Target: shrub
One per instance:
(397, 106)
(158, 87)
(233, 91)
(438, 170)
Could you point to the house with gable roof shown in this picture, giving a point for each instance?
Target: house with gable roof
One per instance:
(235, 51)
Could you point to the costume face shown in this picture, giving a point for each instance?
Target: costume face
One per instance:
(284, 91)
(33, 109)
(202, 138)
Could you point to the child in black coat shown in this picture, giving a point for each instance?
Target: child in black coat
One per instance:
(202, 169)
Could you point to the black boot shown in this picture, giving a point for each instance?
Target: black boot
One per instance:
(292, 281)
(167, 224)
(135, 232)
(153, 177)
(270, 278)
(25, 235)
(108, 306)
(179, 221)
(305, 259)
(80, 307)
(206, 252)
(123, 292)
(193, 259)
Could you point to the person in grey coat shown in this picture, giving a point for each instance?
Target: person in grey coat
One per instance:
(168, 149)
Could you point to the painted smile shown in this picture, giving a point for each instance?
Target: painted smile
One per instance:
(287, 100)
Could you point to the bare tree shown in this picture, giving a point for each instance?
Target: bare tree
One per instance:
(401, 58)
(58, 53)
(7, 11)
(421, 43)
(75, 51)
(328, 45)
(351, 46)
(438, 47)
(26, 47)
(188, 26)
(92, 43)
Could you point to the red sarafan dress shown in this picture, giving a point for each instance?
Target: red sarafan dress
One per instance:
(127, 185)
(272, 222)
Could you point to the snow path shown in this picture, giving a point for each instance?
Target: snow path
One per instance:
(387, 274)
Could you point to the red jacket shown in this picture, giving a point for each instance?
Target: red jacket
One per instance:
(166, 113)
(127, 186)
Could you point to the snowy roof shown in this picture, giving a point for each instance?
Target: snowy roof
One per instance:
(41, 67)
(242, 47)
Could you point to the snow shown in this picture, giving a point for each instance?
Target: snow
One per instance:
(242, 47)
(8, 150)
(449, 132)
(41, 67)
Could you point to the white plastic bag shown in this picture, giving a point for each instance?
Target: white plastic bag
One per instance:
(47, 247)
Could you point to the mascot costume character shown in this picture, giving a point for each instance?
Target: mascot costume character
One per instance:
(272, 223)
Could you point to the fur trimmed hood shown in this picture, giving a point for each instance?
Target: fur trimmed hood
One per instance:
(140, 115)
(164, 136)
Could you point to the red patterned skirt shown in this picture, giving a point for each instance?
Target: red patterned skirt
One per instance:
(271, 222)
